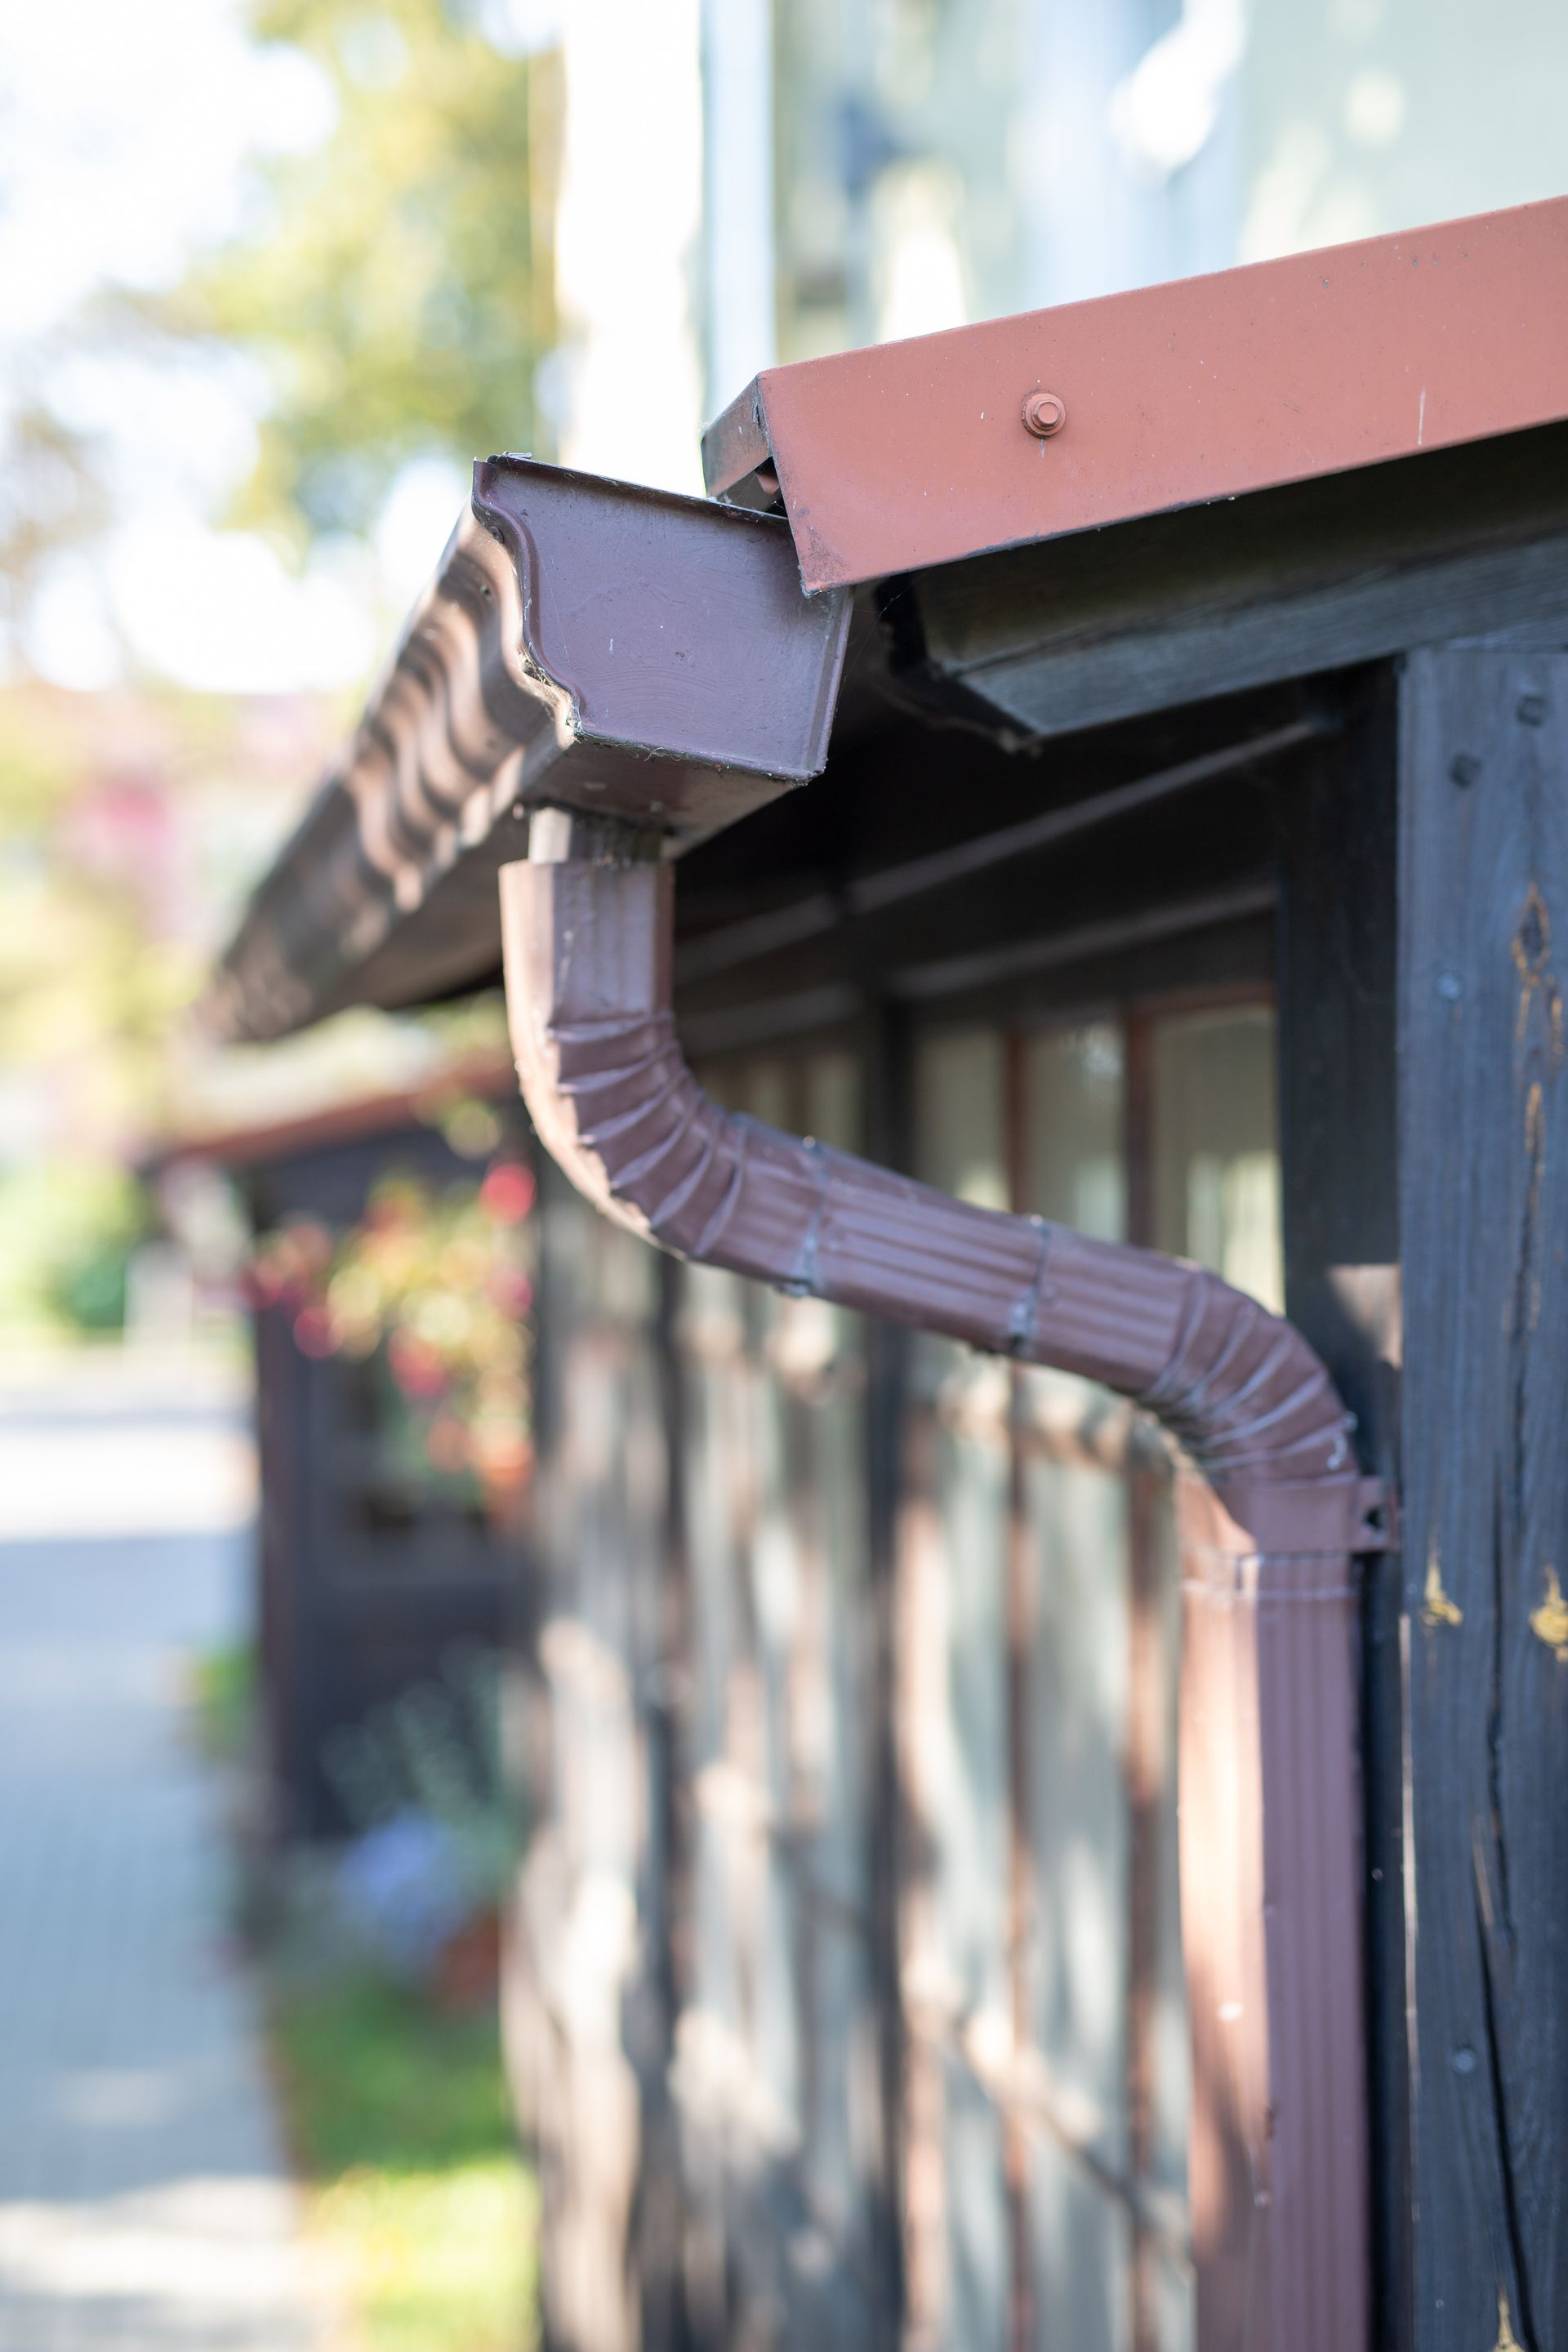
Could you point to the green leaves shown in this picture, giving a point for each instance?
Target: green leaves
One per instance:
(399, 288)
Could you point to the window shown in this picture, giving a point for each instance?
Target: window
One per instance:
(777, 2048)
(876, 1741)
(1041, 1650)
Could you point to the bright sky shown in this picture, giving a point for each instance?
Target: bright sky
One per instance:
(126, 137)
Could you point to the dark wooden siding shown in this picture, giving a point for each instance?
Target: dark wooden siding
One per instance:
(588, 1991)
(696, 2029)
(358, 1603)
(1484, 1114)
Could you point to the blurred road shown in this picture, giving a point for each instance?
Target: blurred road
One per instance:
(144, 2201)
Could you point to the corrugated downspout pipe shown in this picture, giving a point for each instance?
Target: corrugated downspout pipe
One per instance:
(1269, 1524)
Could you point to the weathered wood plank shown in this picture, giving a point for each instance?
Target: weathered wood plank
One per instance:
(1484, 1118)
(776, 2069)
(576, 1967)
(1081, 631)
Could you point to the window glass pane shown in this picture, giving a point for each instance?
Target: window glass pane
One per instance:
(779, 2038)
(721, 1082)
(958, 1115)
(1216, 1153)
(761, 1089)
(833, 1100)
(1074, 1498)
(953, 1701)
(765, 1094)
(1073, 1170)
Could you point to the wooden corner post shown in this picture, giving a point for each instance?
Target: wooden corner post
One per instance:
(1484, 1150)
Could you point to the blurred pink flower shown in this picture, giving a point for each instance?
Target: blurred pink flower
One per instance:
(315, 1332)
(416, 1366)
(506, 1193)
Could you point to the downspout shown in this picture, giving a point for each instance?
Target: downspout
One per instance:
(1270, 1514)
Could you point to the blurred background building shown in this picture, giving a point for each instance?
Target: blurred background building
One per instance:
(274, 274)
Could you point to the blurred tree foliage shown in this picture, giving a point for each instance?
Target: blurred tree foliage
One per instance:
(398, 283)
(86, 999)
(395, 284)
(90, 882)
(68, 1229)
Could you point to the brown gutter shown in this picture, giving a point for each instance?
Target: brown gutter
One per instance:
(1270, 1849)
(611, 648)
(920, 453)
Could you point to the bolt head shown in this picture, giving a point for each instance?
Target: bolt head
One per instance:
(1045, 413)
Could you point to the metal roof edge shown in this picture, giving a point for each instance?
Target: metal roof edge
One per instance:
(905, 455)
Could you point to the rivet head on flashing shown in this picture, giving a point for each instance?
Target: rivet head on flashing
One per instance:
(1045, 413)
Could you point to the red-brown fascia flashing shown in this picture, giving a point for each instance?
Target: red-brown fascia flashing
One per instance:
(919, 453)
(1270, 1848)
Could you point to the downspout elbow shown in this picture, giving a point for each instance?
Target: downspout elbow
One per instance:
(587, 926)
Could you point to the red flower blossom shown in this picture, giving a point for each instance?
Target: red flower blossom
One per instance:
(447, 1444)
(506, 1193)
(315, 1333)
(416, 1366)
(511, 1291)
